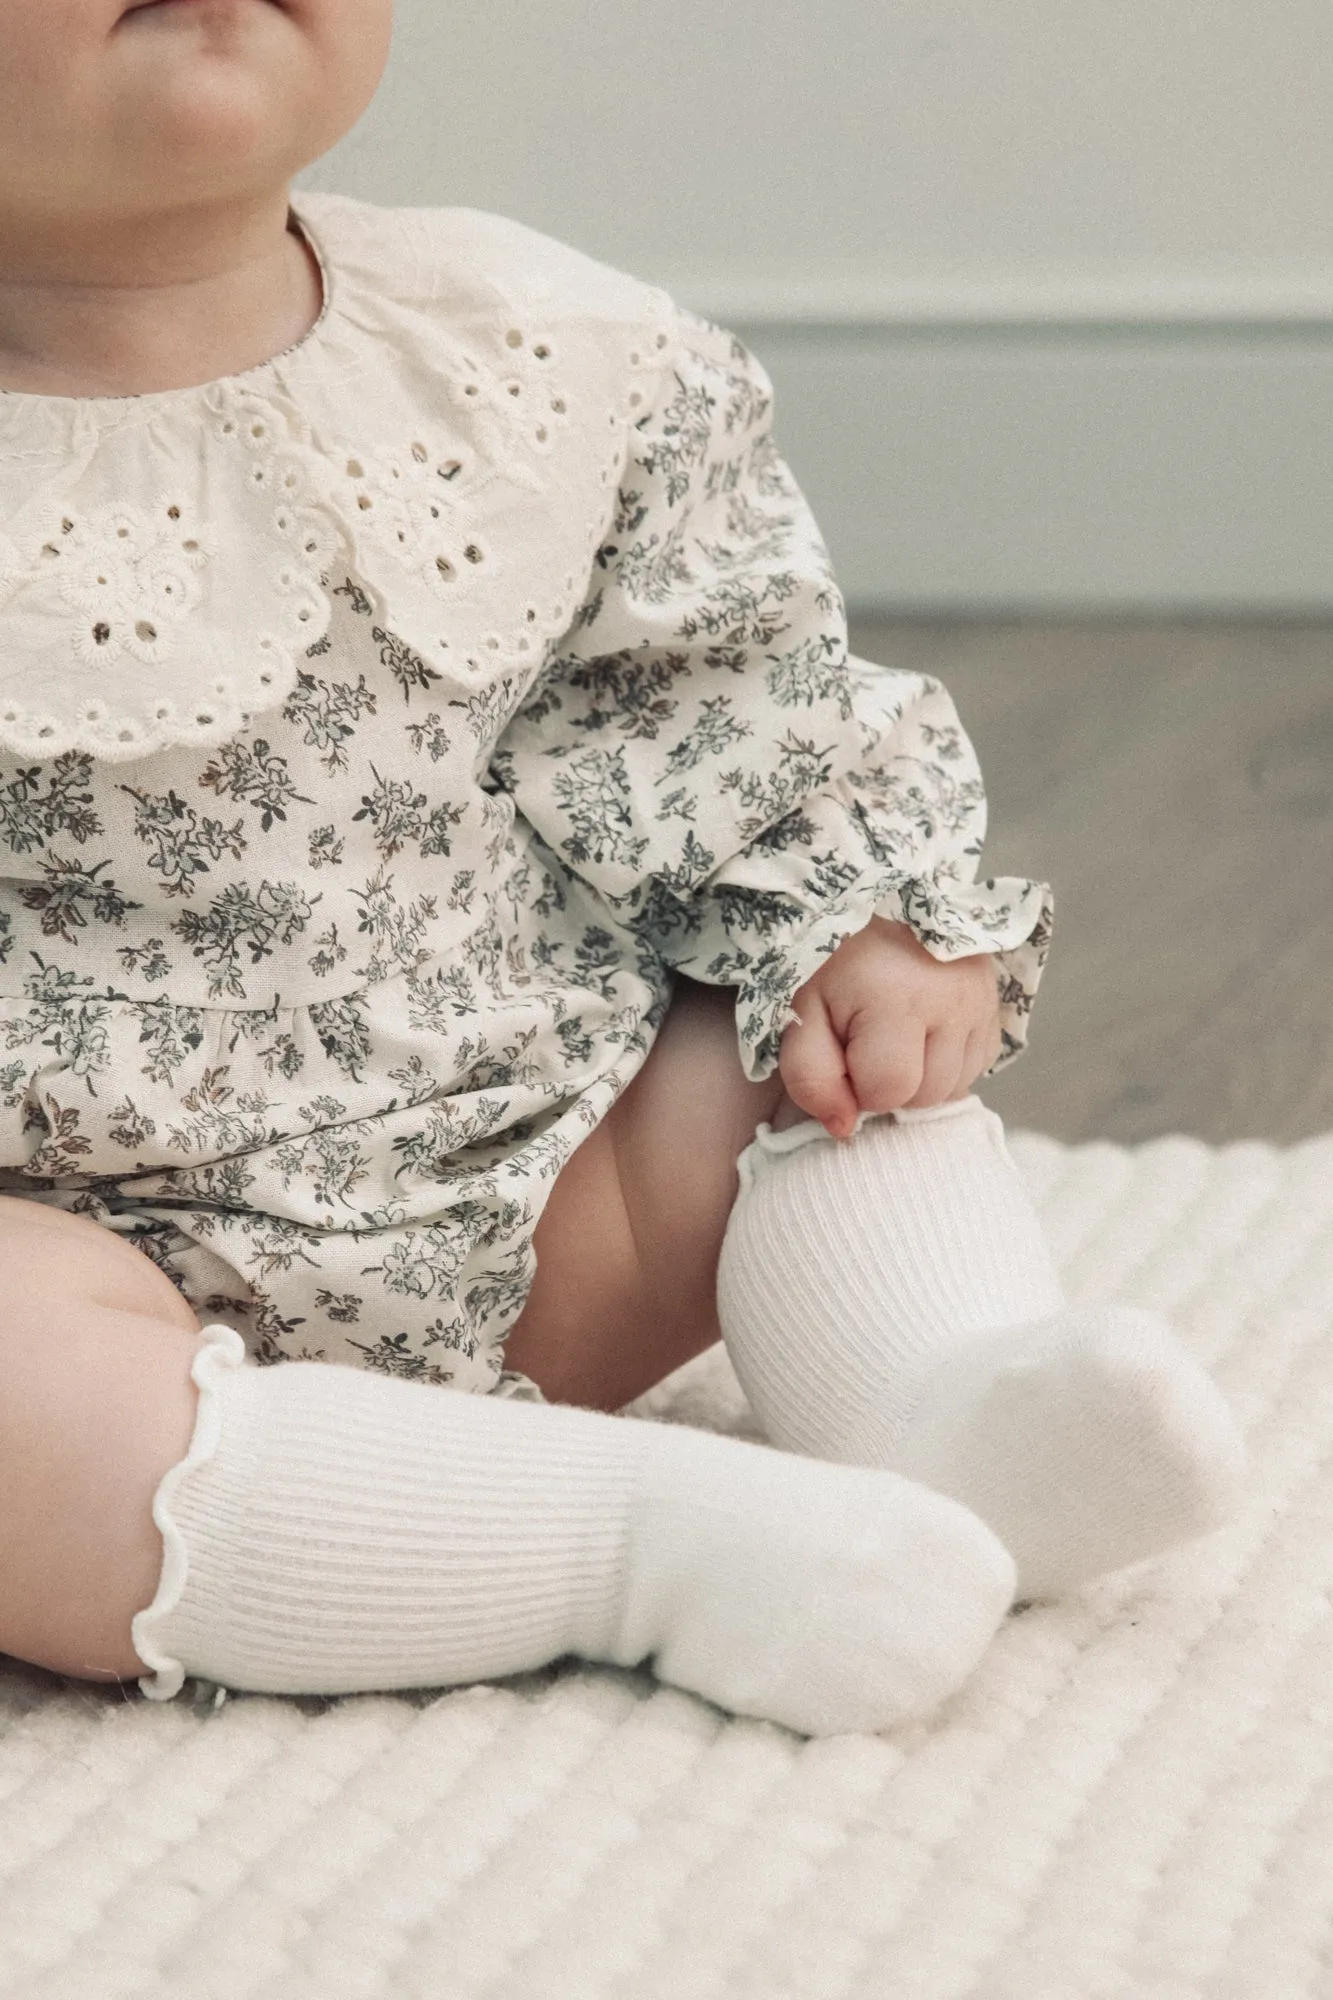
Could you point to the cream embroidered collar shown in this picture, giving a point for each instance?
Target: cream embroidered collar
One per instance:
(451, 430)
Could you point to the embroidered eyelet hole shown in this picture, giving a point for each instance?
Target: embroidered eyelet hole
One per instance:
(364, 502)
(541, 434)
(492, 645)
(635, 400)
(304, 616)
(190, 546)
(125, 736)
(525, 645)
(203, 718)
(173, 513)
(48, 731)
(635, 359)
(123, 534)
(514, 389)
(420, 454)
(143, 630)
(559, 405)
(513, 338)
(531, 615)
(266, 680)
(471, 389)
(541, 352)
(660, 342)
(258, 430)
(161, 714)
(355, 469)
(11, 715)
(101, 633)
(446, 568)
(474, 553)
(228, 428)
(450, 469)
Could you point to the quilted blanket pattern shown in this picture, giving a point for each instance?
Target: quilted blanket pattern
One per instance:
(1133, 1796)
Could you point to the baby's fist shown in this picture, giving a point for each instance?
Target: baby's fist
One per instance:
(884, 1026)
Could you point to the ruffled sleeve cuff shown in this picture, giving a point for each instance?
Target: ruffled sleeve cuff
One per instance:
(1008, 918)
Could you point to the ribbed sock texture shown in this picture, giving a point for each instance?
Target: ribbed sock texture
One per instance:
(851, 1268)
(890, 1301)
(332, 1531)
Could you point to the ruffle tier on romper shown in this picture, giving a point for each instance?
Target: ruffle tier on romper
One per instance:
(380, 729)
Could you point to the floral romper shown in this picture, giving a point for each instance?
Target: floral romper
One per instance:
(380, 730)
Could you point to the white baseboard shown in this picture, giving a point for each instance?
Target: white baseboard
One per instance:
(1177, 461)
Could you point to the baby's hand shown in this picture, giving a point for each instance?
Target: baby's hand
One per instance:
(884, 1026)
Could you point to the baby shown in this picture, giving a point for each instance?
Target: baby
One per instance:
(443, 838)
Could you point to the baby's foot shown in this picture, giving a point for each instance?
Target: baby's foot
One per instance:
(1086, 1442)
(829, 1598)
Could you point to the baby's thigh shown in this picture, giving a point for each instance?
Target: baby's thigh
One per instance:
(48, 1255)
(628, 1244)
(677, 1132)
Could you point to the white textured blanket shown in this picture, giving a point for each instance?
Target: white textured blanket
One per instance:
(1132, 1797)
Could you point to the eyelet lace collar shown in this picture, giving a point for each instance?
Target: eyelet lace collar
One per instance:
(450, 431)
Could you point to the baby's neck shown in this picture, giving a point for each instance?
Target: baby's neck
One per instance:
(121, 336)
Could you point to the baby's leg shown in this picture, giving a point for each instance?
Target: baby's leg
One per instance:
(627, 1246)
(328, 1530)
(889, 1300)
(96, 1404)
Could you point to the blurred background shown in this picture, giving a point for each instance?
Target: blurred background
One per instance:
(1047, 297)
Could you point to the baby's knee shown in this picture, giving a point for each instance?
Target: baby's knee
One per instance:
(96, 1404)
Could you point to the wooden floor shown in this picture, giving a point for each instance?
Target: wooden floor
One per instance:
(1174, 783)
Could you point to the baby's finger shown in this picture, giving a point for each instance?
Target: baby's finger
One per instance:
(983, 1047)
(941, 1072)
(811, 1065)
(885, 1060)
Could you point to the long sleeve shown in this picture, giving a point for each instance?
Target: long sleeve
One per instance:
(703, 751)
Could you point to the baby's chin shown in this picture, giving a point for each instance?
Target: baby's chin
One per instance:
(216, 79)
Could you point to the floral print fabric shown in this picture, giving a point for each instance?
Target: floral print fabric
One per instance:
(314, 1016)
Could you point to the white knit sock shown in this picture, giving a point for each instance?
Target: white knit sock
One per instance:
(890, 1301)
(332, 1530)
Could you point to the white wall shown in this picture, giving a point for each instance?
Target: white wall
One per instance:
(1047, 290)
